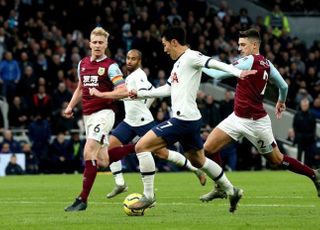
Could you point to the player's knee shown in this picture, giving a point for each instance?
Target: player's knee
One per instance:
(139, 148)
(276, 158)
(103, 163)
(209, 148)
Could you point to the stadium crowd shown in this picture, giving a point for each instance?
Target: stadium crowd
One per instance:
(41, 43)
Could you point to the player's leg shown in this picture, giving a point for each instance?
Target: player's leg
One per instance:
(260, 134)
(98, 125)
(217, 139)
(193, 145)
(289, 163)
(215, 172)
(150, 142)
(180, 160)
(116, 169)
(91, 150)
(227, 131)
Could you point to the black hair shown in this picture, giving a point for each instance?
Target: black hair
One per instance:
(177, 33)
(250, 33)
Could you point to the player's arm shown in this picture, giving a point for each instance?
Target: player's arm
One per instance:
(242, 64)
(120, 91)
(76, 97)
(162, 91)
(278, 80)
(214, 64)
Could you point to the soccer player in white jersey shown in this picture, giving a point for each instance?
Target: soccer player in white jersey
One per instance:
(138, 120)
(185, 124)
(249, 118)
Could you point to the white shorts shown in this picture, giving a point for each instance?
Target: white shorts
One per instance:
(98, 125)
(258, 132)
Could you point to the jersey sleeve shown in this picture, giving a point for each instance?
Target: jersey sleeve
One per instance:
(278, 80)
(78, 70)
(216, 74)
(198, 60)
(115, 75)
(142, 83)
(244, 63)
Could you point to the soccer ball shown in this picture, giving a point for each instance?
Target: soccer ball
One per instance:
(131, 199)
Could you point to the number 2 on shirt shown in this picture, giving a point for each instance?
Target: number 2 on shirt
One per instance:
(265, 77)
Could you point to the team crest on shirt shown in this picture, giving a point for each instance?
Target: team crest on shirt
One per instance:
(101, 71)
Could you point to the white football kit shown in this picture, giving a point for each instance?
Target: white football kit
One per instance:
(137, 112)
(185, 80)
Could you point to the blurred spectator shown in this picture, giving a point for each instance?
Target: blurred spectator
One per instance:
(18, 113)
(54, 66)
(39, 133)
(13, 168)
(42, 102)
(277, 22)
(304, 125)
(210, 114)
(27, 85)
(8, 138)
(5, 148)
(31, 160)
(3, 39)
(226, 105)
(161, 78)
(290, 147)
(244, 19)
(229, 157)
(201, 101)
(9, 75)
(59, 154)
(60, 95)
(75, 152)
(59, 123)
(166, 109)
(315, 110)
(291, 136)
(302, 93)
(41, 66)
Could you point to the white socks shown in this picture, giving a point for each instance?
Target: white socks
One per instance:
(147, 169)
(215, 172)
(180, 160)
(116, 169)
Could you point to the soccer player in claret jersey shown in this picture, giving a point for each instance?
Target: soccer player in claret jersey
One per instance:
(185, 124)
(100, 72)
(249, 118)
(138, 120)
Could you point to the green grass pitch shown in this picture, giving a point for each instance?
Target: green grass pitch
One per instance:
(272, 200)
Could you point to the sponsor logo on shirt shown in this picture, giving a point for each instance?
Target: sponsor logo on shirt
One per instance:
(90, 80)
(174, 77)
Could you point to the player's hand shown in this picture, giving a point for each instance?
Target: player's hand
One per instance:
(68, 113)
(133, 94)
(94, 92)
(247, 73)
(280, 107)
